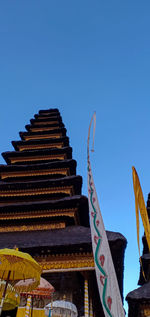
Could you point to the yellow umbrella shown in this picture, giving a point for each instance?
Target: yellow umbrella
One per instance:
(12, 298)
(10, 304)
(16, 265)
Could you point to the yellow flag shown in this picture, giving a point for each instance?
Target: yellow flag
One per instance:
(140, 205)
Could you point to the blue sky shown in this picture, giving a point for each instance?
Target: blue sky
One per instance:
(84, 56)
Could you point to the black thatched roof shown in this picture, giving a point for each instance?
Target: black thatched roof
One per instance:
(44, 152)
(43, 133)
(79, 202)
(46, 118)
(67, 202)
(72, 235)
(70, 164)
(48, 125)
(140, 294)
(64, 140)
(137, 298)
(49, 189)
(75, 181)
(50, 111)
(145, 265)
(72, 238)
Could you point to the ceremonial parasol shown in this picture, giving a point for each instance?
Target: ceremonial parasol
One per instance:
(27, 285)
(44, 289)
(12, 298)
(63, 308)
(16, 265)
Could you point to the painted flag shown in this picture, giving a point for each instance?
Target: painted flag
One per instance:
(140, 206)
(105, 272)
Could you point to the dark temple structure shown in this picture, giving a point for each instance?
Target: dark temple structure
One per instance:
(43, 212)
(139, 299)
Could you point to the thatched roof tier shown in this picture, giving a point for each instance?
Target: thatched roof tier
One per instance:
(74, 180)
(68, 241)
(146, 268)
(30, 144)
(49, 111)
(52, 126)
(52, 118)
(56, 133)
(56, 169)
(40, 190)
(56, 241)
(26, 209)
(36, 156)
(139, 301)
(44, 119)
(142, 293)
(76, 201)
(47, 117)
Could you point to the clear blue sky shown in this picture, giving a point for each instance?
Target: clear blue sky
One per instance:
(83, 56)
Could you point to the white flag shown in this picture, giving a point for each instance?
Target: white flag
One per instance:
(105, 272)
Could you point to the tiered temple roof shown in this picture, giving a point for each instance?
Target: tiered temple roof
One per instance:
(43, 211)
(139, 299)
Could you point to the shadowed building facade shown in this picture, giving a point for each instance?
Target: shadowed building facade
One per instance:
(43, 211)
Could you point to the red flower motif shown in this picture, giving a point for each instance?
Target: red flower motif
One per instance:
(97, 222)
(109, 302)
(102, 259)
(95, 239)
(94, 199)
(102, 279)
(92, 214)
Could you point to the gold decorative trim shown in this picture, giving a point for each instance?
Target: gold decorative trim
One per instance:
(40, 146)
(37, 191)
(45, 122)
(39, 158)
(40, 214)
(60, 225)
(43, 136)
(66, 261)
(64, 171)
(44, 129)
